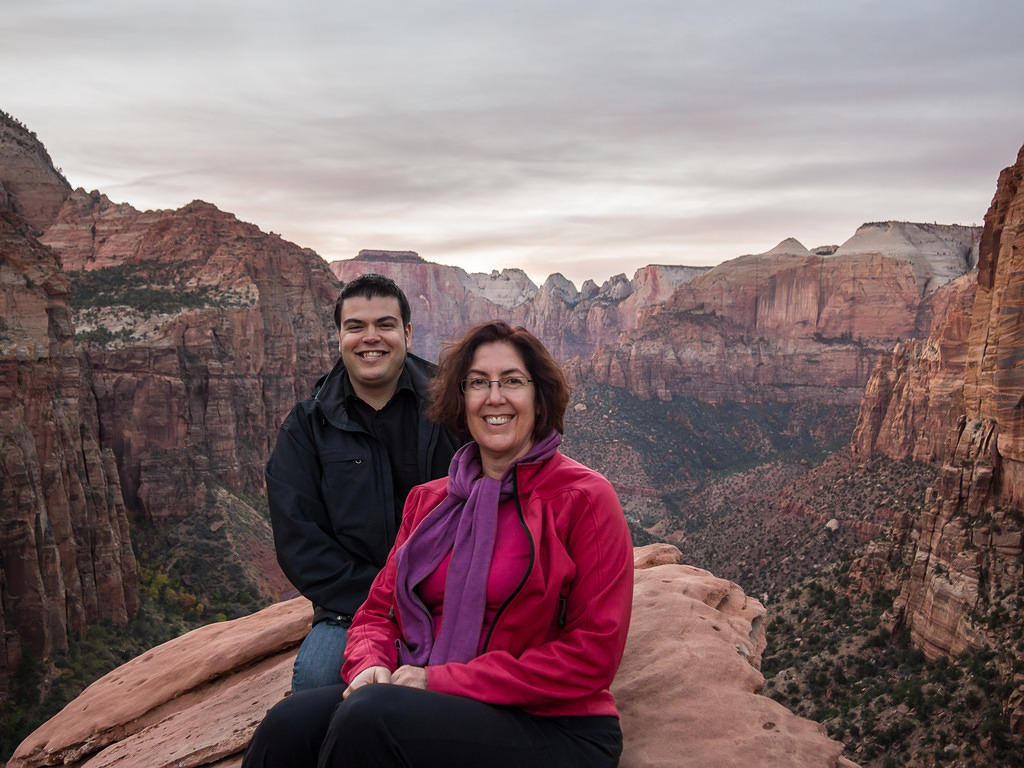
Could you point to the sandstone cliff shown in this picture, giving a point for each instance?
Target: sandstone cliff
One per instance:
(200, 332)
(446, 301)
(916, 392)
(938, 253)
(30, 185)
(688, 689)
(66, 558)
(957, 563)
(785, 326)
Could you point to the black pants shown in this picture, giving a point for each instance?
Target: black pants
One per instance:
(391, 725)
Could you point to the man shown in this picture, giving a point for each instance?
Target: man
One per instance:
(344, 462)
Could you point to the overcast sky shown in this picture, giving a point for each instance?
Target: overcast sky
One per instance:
(588, 138)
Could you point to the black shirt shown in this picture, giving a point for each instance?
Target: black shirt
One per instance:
(394, 426)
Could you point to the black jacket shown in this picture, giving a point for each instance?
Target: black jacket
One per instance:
(331, 494)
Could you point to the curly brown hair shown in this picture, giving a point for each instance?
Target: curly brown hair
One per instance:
(448, 406)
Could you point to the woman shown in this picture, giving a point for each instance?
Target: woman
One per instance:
(494, 631)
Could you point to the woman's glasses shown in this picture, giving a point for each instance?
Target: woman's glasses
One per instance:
(481, 384)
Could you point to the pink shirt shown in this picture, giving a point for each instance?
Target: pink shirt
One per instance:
(510, 562)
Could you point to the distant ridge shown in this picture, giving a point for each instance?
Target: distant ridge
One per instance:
(390, 256)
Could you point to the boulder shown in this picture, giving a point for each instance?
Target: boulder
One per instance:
(689, 689)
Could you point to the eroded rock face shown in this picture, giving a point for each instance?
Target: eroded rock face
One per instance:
(779, 326)
(916, 392)
(688, 689)
(66, 559)
(995, 377)
(30, 186)
(228, 327)
(200, 333)
(963, 551)
(969, 544)
(938, 253)
(447, 301)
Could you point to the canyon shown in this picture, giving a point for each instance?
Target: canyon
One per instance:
(65, 543)
(148, 358)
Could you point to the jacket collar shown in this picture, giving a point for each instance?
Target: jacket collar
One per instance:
(329, 391)
(530, 474)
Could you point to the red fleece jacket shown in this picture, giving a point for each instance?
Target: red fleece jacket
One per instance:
(555, 646)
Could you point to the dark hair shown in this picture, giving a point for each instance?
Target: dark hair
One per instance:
(369, 285)
(448, 406)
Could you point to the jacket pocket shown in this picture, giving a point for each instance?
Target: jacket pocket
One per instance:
(348, 485)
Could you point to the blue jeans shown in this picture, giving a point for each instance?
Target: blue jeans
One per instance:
(320, 656)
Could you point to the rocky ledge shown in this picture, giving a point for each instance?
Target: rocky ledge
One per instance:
(689, 689)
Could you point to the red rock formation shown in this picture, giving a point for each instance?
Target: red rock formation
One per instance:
(938, 253)
(199, 390)
(963, 551)
(916, 392)
(688, 689)
(66, 559)
(785, 325)
(203, 337)
(29, 184)
(781, 326)
(994, 381)
(969, 545)
(446, 301)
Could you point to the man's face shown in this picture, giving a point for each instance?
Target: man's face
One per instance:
(373, 345)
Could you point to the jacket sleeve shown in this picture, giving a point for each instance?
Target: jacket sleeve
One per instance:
(307, 551)
(585, 655)
(374, 634)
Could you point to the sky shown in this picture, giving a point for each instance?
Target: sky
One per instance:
(587, 138)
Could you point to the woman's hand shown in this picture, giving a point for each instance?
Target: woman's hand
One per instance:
(410, 677)
(368, 676)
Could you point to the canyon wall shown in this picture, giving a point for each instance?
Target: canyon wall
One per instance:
(916, 391)
(30, 185)
(66, 557)
(200, 333)
(784, 326)
(956, 563)
(446, 301)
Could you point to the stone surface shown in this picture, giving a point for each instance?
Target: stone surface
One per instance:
(778, 326)
(507, 288)
(30, 185)
(66, 558)
(960, 555)
(916, 392)
(197, 333)
(226, 329)
(995, 376)
(688, 689)
(447, 301)
(938, 253)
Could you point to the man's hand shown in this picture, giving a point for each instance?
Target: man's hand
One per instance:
(410, 677)
(369, 676)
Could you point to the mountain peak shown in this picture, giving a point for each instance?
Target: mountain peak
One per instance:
(790, 246)
(368, 254)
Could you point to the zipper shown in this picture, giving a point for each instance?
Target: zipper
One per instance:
(533, 554)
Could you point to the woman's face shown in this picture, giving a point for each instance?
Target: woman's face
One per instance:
(500, 419)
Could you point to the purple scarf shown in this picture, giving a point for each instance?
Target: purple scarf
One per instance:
(464, 522)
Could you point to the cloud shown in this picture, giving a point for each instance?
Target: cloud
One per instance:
(563, 136)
